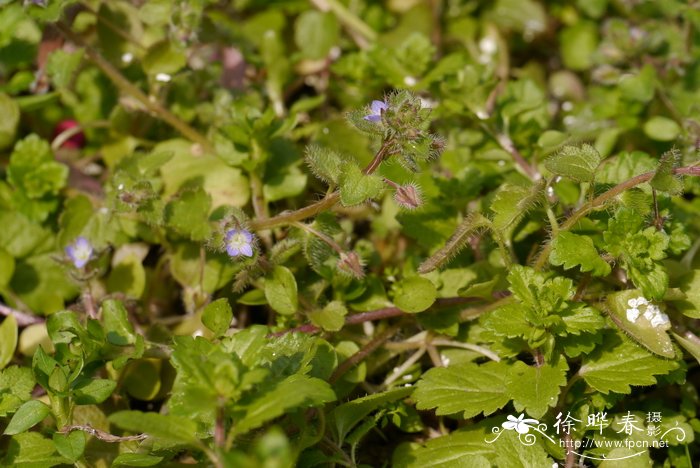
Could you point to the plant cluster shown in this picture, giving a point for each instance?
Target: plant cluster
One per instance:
(330, 233)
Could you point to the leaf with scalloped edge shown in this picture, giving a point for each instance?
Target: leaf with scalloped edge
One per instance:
(620, 363)
(575, 162)
(465, 388)
(535, 389)
(570, 250)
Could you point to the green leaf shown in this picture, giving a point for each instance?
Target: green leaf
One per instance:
(582, 319)
(356, 187)
(163, 57)
(468, 388)
(118, 328)
(331, 317)
(16, 385)
(7, 267)
(20, 236)
(577, 163)
(42, 284)
(287, 183)
(224, 184)
(8, 340)
(640, 250)
(62, 65)
(281, 291)
(94, 392)
(325, 163)
(31, 449)
(8, 124)
(135, 459)
(463, 449)
(217, 316)
(142, 378)
(535, 389)
(315, 33)
(655, 339)
(661, 129)
(690, 343)
(189, 214)
(71, 445)
(509, 321)
(578, 44)
(34, 171)
(639, 86)
(347, 415)
(620, 363)
(570, 250)
(511, 451)
(27, 416)
(414, 294)
(167, 428)
(296, 391)
(664, 179)
(512, 202)
(690, 285)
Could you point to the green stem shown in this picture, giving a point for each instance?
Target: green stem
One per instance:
(129, 88)
(600, 200)
(311, 210)
(60, 407)
(326, 239)
(362, 33)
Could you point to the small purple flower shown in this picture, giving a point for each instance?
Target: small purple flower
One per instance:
(377, 107)
(239, 242)
(79, 252)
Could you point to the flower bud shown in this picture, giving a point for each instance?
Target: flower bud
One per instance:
(350, 263)
(408, 196)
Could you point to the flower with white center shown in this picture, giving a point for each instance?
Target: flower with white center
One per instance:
(520, 424)
(79, 252)
(238, 242)
(377, 108)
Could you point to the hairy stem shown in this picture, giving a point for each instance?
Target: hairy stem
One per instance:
(329, 201)
(603, 198)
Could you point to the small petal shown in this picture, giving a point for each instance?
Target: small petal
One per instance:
(508, 425)
(233, 251)
(247, 250)
(373, 118)
(659, 320)
(632, 314)
(378, 106)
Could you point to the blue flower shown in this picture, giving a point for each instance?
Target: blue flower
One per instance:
(377, 107)
(79, 252)
(239, 242)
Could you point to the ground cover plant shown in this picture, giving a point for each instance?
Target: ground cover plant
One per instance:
(349, 233)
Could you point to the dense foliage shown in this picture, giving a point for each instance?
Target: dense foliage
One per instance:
(343, 233)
